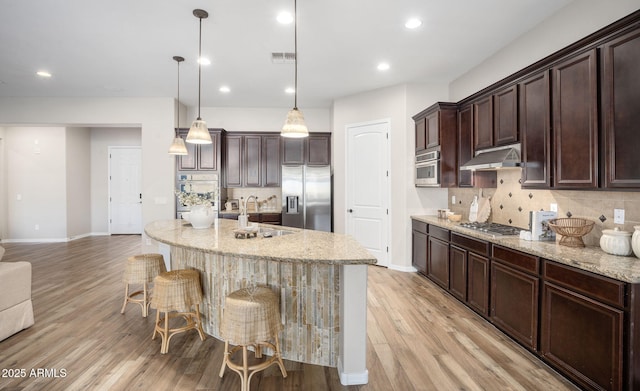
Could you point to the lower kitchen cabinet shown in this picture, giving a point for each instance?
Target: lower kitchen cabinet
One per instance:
(419, 246)
(478, 283)
(266, 218)
(458, 272)
(438, 261)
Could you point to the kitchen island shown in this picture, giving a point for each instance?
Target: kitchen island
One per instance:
(321, 278)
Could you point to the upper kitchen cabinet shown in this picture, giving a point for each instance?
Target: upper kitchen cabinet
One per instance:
(575, 122)
(621, 111)
(440, 132)
(469, 178)
(314, 150)
(535, 130)
(201, 157)
(252, 160)
(495, 119)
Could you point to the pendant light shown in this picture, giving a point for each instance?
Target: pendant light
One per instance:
(178, 147)
(198, 133)
(294, 126)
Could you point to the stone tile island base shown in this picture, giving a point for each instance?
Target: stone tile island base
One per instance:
(309, 299)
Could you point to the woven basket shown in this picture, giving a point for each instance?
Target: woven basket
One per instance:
(572, 230)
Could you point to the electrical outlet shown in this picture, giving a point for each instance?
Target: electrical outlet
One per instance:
(453, 200)
(553, 207)
(618, 216)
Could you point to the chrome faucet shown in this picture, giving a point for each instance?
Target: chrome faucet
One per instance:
(244, 209)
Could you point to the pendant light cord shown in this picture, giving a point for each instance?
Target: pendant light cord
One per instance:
(178, 124)
(295, 49)
(199, 66)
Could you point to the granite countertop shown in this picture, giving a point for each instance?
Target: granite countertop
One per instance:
(588, 258)
(305, 246)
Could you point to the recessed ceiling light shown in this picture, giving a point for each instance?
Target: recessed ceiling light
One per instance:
(413, 23)
(285, 17)
(43, 74)
(290, 90)
(204, 61)
(383, 66)
(224, 89)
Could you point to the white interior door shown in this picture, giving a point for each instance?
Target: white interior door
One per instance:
(125, 190)
(368, 187)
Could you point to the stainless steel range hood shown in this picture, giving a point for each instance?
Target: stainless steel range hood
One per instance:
(495, 158)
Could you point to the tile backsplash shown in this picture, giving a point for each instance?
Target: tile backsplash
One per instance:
(263, 193)
(511, 204)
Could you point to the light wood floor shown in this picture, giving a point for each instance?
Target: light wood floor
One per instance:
(419, 338)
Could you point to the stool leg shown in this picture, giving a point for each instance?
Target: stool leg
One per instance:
(126, 297)
(277, 354)
(225, 358)
(245, 369)
(165, 337)
(199, 322)
(145, 301)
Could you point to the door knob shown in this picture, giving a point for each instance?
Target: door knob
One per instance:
(350, 210)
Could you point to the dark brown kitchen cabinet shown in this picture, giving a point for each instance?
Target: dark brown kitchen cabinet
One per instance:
(483, 123)
(428, 131)
(201, 157)
(419, 246)
(233, 159)
(252, 161)
(575, 122)
(582, 330)
(458, 272)
(438, 261)
(505, 112)
(465, 144)
(478, 283)
(314, 150)
(535, 131)
(271, 168)
(621, 112)
(421, 134)
(319, 150)
(515, 286)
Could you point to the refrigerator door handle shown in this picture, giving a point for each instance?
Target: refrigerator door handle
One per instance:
(292, 204)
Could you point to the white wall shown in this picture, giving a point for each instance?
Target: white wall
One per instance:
(397, 103)
(577, 20)
(3, 186)
(78, 182)
(101, 139)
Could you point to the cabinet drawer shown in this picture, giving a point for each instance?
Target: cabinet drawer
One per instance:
(517, 259)
(600, 288)
(271, 218)
(478, 246)
(419, 226)
(440, 233)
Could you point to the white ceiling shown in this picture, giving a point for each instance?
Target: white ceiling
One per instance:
(124, 48)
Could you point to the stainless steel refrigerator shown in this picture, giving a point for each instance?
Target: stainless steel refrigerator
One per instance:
(306, 197)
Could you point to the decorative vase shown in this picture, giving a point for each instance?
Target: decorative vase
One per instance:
(616, 242)
(201, 216)
(635, 241)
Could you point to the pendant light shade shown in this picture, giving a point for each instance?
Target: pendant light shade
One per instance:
(294, 125)
(199, 133)
(178, 147)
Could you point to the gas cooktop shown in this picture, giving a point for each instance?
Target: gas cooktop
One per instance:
(492, 228)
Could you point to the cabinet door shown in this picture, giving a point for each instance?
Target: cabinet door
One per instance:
(505, 105)
(465, 145)
(438, 262)
(458, 272)
(319, 150)
(187, 162)
(621, 94)
(293, 150)
(234, 161)
(208, 154)
(483, 123)
(514, 303)
(419, 251)
(432, 131)
(271, 169)
(535, 128)
(583, 337)
(252, 161)
(421, 135)
(575, 123)
(478, 283)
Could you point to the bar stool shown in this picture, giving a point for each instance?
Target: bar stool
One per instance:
(251, 318)
(141, 269)
(175, 293)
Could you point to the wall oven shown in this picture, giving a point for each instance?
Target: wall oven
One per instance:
(427, 169)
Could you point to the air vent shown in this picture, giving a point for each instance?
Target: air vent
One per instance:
(283, 58)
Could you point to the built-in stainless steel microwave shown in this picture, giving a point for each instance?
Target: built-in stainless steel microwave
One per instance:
(427, 169)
